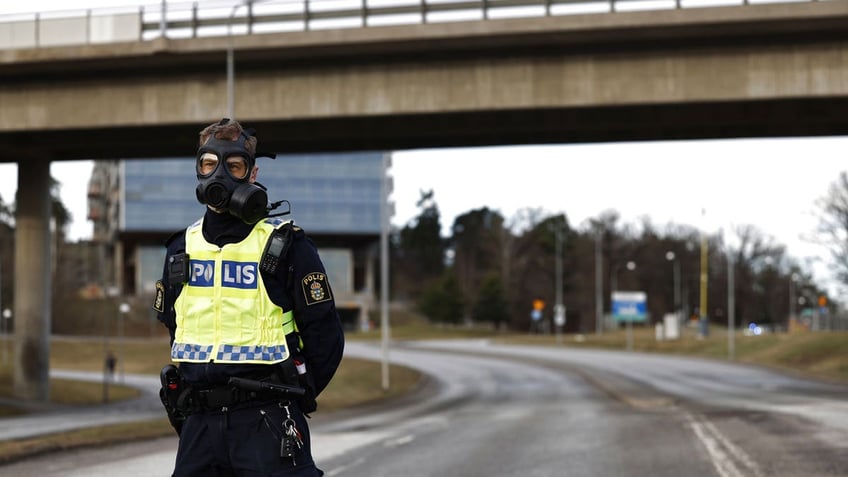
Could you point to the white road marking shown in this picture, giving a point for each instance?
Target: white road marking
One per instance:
(722, 451)
(399, 441)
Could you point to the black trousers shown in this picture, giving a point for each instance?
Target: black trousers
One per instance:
(243, 442)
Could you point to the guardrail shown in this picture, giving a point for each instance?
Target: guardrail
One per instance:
(191, 20)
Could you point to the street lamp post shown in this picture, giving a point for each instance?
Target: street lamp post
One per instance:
(599, 284)
(3, 328)
(123, 309)
(231, 68)
(670, 256)
(702, 311)
(792, 301)
(559, 307)
(385, 217)
(731, 307)
(630, 265)
(107, 353)
(7, 315)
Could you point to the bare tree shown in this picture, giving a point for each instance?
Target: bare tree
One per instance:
(833, 225)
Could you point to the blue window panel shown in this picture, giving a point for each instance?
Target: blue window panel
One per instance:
(329, 193)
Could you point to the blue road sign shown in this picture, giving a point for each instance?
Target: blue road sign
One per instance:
(629, 306)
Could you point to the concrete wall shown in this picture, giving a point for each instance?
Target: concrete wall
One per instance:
(65, 31)
(755, 70)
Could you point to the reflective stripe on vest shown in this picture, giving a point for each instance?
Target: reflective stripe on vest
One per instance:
(224, 313)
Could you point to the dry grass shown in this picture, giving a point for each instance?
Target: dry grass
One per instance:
(356, 382)
(66, 392)
(113, 434)
(823, 355)
(360, 382)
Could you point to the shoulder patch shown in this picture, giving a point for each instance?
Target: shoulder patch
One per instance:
(316, 288)
(159, 299)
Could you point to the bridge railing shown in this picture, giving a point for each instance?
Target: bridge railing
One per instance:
(191, 20)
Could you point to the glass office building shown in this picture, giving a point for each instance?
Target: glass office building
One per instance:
(328, 193)
(336, 198)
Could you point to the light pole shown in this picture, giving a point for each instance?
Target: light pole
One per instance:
(792, 302)
(702, 312)
(123, 309)
(670, 256)
(7, 315)
(559, 307)
(3, 319)
(107, 359)
(3, 328)
(731, 307)
(599, 284)
(231, 67)
(630, 265)
(163, 20)
(385, 216)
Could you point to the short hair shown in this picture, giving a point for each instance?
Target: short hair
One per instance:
(231, 129)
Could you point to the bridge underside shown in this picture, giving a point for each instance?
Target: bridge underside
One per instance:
(772, 118)
(753, 71)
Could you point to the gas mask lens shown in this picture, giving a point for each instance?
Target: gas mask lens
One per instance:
(206, 164)
(236, 166)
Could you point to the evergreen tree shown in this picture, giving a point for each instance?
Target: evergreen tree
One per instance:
(419, 252)
(491, 305)
(442, 300)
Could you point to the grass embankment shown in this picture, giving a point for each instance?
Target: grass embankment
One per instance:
(356, 383)
(820, 355)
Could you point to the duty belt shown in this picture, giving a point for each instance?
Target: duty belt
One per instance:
(205, 400)
(240, 391)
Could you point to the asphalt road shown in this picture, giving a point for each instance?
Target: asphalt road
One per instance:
(497, 410)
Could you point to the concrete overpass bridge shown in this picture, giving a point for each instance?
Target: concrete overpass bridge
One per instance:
(678, 73)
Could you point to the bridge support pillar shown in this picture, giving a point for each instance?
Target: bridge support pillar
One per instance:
(32, 281)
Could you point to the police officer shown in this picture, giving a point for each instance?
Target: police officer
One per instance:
(244, 296)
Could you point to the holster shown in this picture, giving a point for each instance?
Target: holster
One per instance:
(294, 371)
(174, 394)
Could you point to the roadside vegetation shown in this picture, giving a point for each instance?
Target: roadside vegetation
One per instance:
(357, 383)
(817, 355)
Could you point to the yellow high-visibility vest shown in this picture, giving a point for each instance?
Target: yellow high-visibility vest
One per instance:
(224, 313)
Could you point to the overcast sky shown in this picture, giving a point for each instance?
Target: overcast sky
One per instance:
(772, 184)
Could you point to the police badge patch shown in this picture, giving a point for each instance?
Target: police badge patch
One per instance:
(159, 300)
(316, 289)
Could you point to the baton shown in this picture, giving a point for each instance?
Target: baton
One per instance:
(257, 386)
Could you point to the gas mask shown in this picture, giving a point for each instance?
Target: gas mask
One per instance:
(223, 175)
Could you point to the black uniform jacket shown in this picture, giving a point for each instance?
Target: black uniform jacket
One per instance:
(318, 323)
